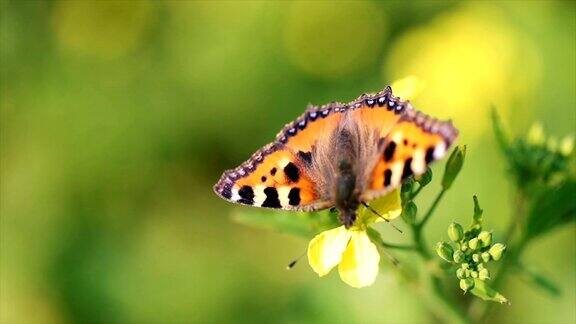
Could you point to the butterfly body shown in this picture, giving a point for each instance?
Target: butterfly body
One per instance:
(339, 155)
(346, 197)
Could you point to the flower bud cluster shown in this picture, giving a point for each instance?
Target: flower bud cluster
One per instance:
(470, 251)
(540, 160)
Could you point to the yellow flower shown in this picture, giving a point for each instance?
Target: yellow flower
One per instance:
(351, 249)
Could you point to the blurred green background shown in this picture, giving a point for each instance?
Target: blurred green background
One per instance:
(117, 117)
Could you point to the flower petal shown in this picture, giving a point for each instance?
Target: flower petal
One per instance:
(389, 206)
(359, 265)
(325, 250)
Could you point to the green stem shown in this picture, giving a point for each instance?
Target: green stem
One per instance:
(438, 301)
(482, 311)
(416, 192)
(432, 208)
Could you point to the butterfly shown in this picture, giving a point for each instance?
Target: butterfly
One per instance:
(340, 156)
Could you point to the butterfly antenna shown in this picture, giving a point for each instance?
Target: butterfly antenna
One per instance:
(293, 263)
(377, 214)
(394, 261)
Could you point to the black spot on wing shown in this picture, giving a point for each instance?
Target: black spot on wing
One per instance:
(389, 151)
(273, 171)
(246, 195)
(407, 170)
(271, 200)
(305, 156)
(291, 171)
(263, 178)
(429, 155)
(294, 196)
(387, 177)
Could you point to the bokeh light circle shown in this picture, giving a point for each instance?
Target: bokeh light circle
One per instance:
(469, 59)
(104, 29)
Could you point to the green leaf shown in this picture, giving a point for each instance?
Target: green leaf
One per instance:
(551, 209)
(483, 291)
(301, 224)
(498, 128)
(532, 276)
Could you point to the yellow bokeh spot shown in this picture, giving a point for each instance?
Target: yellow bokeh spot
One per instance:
(470, 59)
(105, 29)
(535, 135)
(331, 40)
(408, 88)
(567, 145)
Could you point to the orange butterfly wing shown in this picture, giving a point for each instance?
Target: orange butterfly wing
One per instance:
(277, 176)
(377, 112)
(414, 142)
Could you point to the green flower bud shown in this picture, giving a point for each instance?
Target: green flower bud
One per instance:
(480, 266)
(406, 189)
(567, 145)
(455, 232)
(409, 212)
(476, 257)
(485, 256)
(465, 266)
(535, 135)
(453, 166)
(424, 178)
(458, 256)
(473, 244)
(461, 273)
(464, 247)
(466, 284)
(485, 238)
(497, 250)
(445, 251)
(474, 274)
(483, 274)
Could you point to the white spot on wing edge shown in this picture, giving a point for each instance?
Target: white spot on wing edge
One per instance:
(259, 195)
(439, 151)
(418, 164)
(283, 195)
(396, 169)
(235, 196)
